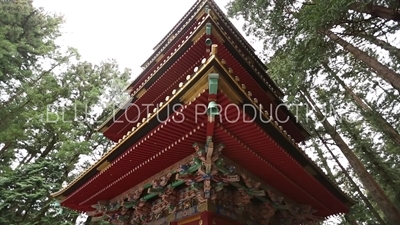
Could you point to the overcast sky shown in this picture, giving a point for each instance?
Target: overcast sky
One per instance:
(126, 30)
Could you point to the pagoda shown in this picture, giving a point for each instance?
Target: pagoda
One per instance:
(204, 139)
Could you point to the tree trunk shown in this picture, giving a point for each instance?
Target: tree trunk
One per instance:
(350, 179)
(378, 120)
(393, 50)
(381, 70)
(376, 11)
(390, 211)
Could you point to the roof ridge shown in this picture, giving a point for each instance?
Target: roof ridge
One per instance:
(158, 45)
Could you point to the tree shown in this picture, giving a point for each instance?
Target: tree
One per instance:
(278, 22)
(385, 204)
(348, 177)
(327, 53)
(50, 106)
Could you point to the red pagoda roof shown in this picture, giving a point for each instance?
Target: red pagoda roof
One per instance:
(264, 149)
(182, 55)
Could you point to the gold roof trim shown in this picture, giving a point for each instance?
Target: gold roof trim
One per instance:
(103, 166)
(141, 93)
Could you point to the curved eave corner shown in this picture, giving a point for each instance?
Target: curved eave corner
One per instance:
(99, 166)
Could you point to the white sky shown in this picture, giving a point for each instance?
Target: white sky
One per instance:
(125, 30)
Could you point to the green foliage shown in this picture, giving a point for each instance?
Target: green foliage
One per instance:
(50, 103)
(362, 107)
(26, 191)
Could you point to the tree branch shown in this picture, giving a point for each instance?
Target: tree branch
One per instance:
(376, 11)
